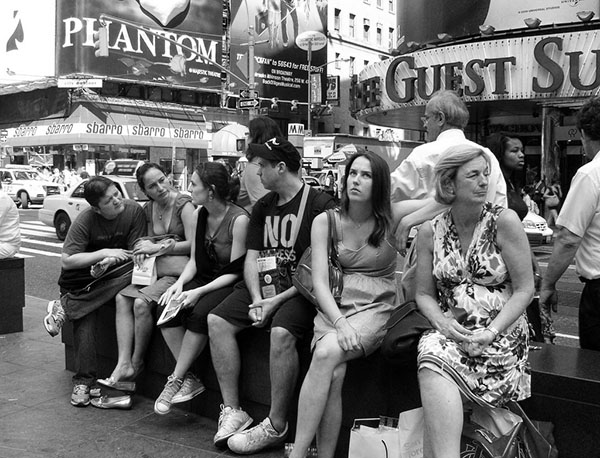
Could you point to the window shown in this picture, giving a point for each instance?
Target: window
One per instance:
(351, 130)
(366, 27)
(351, 25)
(379, 36)
(378, 3)
(365, 131)
(366, 63)
(336, 20)
(392, 41)
(338, 64)
(391, 6)
(351, 66)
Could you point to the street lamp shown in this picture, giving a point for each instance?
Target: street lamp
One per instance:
(345, 59)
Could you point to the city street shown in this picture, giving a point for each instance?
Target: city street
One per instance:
(42, 249)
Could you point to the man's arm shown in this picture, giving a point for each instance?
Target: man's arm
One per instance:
(565, 247)
(427, 209)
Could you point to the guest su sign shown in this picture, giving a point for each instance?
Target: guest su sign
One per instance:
(561, 65)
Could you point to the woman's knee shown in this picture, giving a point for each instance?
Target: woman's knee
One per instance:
(141, 308)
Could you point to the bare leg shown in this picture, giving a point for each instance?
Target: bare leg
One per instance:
(329, 429)
(284, 368)
(192, 346)
(442, 406)
(144, 325)
(173, 338)
(319, 406)
(226, 358)
(124, 323)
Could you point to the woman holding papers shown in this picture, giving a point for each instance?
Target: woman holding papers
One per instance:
(216, 263)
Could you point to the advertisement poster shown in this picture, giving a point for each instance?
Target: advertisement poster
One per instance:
(136, 54)
(280, 67)
(27, 40)
(423, 20)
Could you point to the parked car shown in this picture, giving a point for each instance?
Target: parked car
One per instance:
(537, 229)
(26, 186)
(61, 210)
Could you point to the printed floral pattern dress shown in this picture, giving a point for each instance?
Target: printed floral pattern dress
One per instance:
(479, 283)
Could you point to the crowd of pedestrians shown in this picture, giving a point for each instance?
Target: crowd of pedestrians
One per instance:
(470, 272)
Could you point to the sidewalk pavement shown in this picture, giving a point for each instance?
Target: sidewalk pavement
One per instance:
(37, 419)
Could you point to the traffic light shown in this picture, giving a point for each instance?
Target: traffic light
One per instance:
(294, 106)
(274, 103)
(101, 42)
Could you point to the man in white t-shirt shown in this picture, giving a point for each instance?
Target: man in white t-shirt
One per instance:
(10, 235)
(413, 182)
(579, 232)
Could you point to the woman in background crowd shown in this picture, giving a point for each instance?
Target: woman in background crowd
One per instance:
(261, 129)
(474, 256)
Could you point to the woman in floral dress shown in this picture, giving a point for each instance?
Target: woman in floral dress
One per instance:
(476, 257)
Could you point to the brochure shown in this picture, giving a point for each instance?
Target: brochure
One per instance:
(170, 311)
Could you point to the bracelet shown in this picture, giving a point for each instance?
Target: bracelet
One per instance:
(337, 319)
(493, 330)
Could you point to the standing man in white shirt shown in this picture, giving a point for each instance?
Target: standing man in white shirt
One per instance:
(446, 117)
(579, 232)
(10, 234)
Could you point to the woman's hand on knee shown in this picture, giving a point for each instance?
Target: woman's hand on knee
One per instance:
(348, 337)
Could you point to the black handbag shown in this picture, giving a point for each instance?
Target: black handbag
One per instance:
(404, 329)
(302, 278)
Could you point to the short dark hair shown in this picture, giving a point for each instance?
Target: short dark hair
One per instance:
(95, 189)
(380, 194)
(588, 118)
(215, 176)
(454, 108)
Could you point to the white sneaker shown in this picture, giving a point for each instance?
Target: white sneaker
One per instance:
(162, 405)
(191, 387)
(54, 320)
(255, 439)
(231, 421)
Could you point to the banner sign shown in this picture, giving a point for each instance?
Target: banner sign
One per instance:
(333, 88)
(280, 66)
(422, 21)
(549, 66)
(137, 55)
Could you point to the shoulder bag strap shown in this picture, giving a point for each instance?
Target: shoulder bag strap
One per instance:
(305, 191)
(333, 235)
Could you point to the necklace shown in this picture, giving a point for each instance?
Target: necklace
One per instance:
(358, 225)
(164, 210)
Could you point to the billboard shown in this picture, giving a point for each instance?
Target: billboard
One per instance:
(280, 67)
(136, 54)
(423, 20)
(27, 39)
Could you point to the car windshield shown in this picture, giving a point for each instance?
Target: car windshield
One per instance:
(25, 175)
(134, 192)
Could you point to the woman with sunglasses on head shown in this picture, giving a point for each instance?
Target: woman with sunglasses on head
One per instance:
(356, 326)
(216, 263)
(170, 220)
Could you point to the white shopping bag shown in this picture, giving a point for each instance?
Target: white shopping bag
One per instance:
(145, 273)
(372, 441)
(411, 428)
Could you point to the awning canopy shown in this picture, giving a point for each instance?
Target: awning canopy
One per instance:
(91, 125)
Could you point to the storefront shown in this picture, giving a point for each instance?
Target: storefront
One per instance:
(523, 81)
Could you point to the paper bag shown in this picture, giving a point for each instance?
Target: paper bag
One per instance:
(372, 441)
(144, 273)
(411, 428)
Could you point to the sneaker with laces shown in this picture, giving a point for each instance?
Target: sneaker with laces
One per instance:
(191, 387)
(231, 421)
(80, 397)
(54, 320)
(162, 406)
(255, 439)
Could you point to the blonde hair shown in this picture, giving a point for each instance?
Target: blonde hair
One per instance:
(445, 170)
